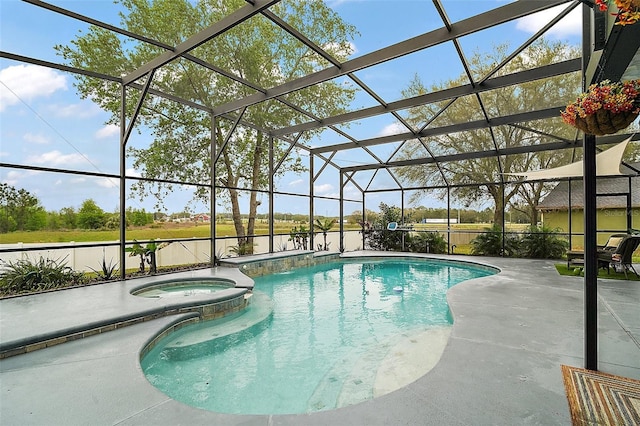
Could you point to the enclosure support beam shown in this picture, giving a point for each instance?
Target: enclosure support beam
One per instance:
(364, 220)
(590, 256)
(214, 260)
(123, 181)
(590, 249)
(402, 214)
(271, 183)
(448, 220)
(342, 212)
(312, 181)
(570, 213)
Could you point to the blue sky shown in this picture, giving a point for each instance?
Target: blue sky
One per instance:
(44, 122)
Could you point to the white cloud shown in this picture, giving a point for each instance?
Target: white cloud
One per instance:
(296, 182)
(108, 131)
(15, 177)
(323, 189)
(38, 139)
(108, 183)
(28, 82)
(79, 110)
(569, 25)
(56, 158)
(392, 129)
(337, 50)
(132, 173)
(4, 154)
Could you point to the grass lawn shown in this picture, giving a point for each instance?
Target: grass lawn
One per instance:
(602, 273)
(165, 231)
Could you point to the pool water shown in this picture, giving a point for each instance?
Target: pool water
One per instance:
(183, 289)
(331, 329)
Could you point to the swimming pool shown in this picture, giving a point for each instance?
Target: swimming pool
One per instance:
(333, 336)
(183, 287)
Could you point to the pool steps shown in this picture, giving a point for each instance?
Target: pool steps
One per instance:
(204, 306)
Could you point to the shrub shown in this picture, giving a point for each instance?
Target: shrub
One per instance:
(426, 242)
(107, 271)
(43, 274)
(489, 243)
(378, 236)
(542, 243)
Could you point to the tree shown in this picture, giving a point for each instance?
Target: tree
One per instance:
(68, 218)
(20, 210)
(325, 226)
(137, 217)
(90, 216)
(486, 172)
(379, 237)
(257, 51)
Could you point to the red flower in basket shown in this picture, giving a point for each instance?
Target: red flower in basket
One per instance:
(628, 10)
(605, 108)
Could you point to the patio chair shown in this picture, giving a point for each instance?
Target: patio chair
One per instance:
(575, 258)
(621, 258)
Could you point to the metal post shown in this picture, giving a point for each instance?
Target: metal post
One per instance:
(402, 215)
(123, 181)
(570, 224)
(214, 226)
(341, 211)
(590, 256)
(271, 183)
(312, 182)
(364, 219)
(448, 220)
(629, 206)
(503, 224)
(589, 184)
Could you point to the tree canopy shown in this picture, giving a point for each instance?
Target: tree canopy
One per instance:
(483, 177)
(256, 52)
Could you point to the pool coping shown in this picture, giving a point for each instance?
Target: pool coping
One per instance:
(205, 306)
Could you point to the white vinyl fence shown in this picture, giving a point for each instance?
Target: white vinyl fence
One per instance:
(79, 257)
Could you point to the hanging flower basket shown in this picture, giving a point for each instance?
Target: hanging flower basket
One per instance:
(605, 108)
(628, 10)
(605, 122)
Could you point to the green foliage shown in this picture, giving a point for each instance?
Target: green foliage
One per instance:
(20, 210)
(426, 242)
(300, 237)
(262, 54)
(25, 275)
(542, 243)
(557, 90)
(138, 217)
(147, 254)
(324, 225)
(90, 216)
(243, 248)
(489, 243)
(107, 271)
(378, 236)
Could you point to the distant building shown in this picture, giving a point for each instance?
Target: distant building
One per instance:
(201, 217)
(611, 209)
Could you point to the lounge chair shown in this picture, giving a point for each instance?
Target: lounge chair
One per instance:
(621, 257)
(575, 258)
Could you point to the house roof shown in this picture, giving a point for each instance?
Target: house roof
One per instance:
(558, 198)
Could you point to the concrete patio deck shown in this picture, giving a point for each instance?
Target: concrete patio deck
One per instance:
(512, 332)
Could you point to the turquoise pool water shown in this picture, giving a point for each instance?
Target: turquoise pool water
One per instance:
(183, 288)
(330, 329)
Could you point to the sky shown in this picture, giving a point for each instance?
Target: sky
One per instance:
(43, 121)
